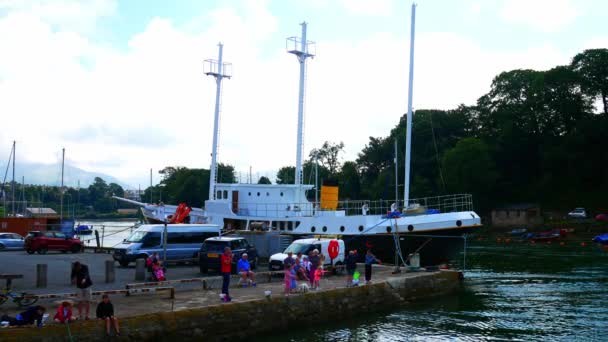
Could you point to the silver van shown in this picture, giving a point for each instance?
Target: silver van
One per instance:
(183, 242)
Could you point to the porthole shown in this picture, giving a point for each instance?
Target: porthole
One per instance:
(324, 229)
(410, 228)
(258, 194)
(459, 223)
(313, 229)
(281, 194)
(268, 194)
(388, 229)
(342, 228)
(360, 228)
(250, 194)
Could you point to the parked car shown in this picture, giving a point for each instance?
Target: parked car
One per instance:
(11, 241)
(183, 242)
(43, 242)
(578, 213)
(212, 249)
(305, 246)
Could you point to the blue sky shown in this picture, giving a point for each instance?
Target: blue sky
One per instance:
(121, 82)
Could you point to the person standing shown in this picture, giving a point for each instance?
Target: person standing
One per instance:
(369, 260)
(226, 261)
(80, 276)
(105, 311)
(315, 260)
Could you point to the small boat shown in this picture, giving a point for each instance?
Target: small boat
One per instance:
(547, 235)
(602, 239)
(83, 229)
(518, 231)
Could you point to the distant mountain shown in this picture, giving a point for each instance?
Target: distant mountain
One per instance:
(50, 174)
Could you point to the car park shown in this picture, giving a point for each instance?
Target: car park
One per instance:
(212, 249)
(42, 242)
(11, 241)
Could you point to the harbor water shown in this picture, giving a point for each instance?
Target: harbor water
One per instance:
(515, 292)
(111, 232)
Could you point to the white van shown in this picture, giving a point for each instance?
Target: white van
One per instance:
(183, 241)
(305, 246)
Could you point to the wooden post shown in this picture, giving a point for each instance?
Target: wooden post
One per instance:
(41, 275)
(140, 269)
(110, 273)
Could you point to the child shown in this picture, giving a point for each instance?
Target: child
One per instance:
(317, 278)
(159, 274)
(64, 313)
(369, 260)
(105, 311)
(289, 277)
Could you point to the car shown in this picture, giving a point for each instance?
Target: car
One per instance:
(11, 241)
(212, 249)
(306, 246)
(578, 213)
(183, 242)
(42, 242)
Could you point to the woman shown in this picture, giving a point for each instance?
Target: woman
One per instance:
(105, 311)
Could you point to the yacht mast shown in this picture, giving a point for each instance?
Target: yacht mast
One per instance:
(13, 183)
(410, 94)
(301, 48)
(219, 70)
(61, 197)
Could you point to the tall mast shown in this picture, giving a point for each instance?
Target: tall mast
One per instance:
(410, 94)
(301, 48)
(61, 197)
(13, 183)
(219, 70)
(150, 186)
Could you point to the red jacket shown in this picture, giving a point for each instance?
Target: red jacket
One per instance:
(226, 261)
(60, 316)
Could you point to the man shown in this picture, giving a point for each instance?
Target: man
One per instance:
(105, 311)
(244, 269)
(226, 269)
(80, 276)
(289, 261)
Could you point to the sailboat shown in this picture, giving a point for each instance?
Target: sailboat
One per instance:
(434, 227)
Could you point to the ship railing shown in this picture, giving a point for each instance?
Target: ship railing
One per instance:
(425, 205)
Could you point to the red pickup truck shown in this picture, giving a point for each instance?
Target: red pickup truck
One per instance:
(43, 242)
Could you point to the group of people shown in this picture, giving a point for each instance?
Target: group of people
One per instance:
(307, 268)
(351, 267)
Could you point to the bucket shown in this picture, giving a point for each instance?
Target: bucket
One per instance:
(414, 260)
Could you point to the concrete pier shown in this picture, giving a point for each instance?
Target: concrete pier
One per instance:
(193, 315)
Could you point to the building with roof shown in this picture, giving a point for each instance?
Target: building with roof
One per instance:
(524, 214)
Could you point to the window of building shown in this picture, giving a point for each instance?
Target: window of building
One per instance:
(225, 194)
(219, 194)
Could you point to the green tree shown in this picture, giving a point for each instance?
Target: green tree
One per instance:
(350, 184)
(329, 156)
(470, 169)
(264, 180)
(286, 175)
(592, 67)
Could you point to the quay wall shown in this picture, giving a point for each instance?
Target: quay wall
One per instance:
(241, 320)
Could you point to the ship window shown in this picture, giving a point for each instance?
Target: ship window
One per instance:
(268, 194)
(219, 194)
(360, 228)
(313, 229)
(342, 228)
(281, 193)
(324, 228)
(250, 194)
(225, 194)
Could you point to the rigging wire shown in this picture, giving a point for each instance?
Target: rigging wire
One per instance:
(436, 152)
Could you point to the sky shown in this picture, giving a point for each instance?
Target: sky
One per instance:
(121, 85)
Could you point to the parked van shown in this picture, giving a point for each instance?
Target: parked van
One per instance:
(305, 246)
(183, 242)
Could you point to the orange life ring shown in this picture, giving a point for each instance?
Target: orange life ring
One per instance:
(333, 249)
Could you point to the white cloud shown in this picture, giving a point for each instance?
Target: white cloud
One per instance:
(156, 87)
(368, 7)
(543, 15)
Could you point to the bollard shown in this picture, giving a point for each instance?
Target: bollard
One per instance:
(140, 269)
(41, 275)
(110, 274)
